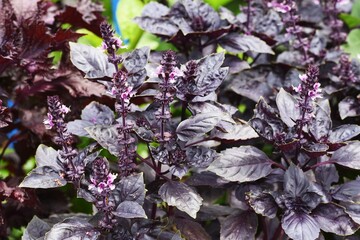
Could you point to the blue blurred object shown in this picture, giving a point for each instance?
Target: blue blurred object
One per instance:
(114, 4)
(9, 104)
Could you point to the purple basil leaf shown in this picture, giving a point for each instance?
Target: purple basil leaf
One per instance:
(77, 127)
(344, 133)
(314, 150)
(181, 196)
(321, 124)
(236, 43)
(348, 155)
(43, 177)
(73, 228)
(326, 174)
(353, 209)
(295, 182)
(235, 64)
(206, 179)
(106, 136)
(90, 60)
(131, 188)
(196, 126)
(288, 108)
(153, 20)
(97, 113)
(253, 83)
(134, 64)
(200, 156)
(191, 229)
(262, 203)
(348, 192)
(129, 209)
(239, 131)
(93, 114)
(209, 75)
(299, 225)
(293, 58)
(349, 107)
(239, 226)
(241, 164)
(36, 229)
(47, 156)
(333, 218)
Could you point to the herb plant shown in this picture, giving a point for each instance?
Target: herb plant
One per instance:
(247, 128)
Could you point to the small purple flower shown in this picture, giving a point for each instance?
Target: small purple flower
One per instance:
(279, 7)
(64, 109)
(104, 186)
(48, 122)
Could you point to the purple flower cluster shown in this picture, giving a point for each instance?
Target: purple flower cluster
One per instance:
(345, 71)
(122, 92)
(168, 73)
(309, 91)
(55, 119)
(338, 35)
(102, 183)
(290, 18)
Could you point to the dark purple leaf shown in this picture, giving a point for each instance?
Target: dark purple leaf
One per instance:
(300, 225)
(134, 64)
(348, 192)
(236, 43)
(181, 196)
(288, 108)
(93, 114)
(191, 229)
(206, 179)
(208, 75)
(353, 209)
(241, 164)
(197, 125)
(333, 218)
(106, 136)
(36, 229)
(349, 107)
(43, 177)
(344, 133)
(157, 26)
(47, 156)
(262, 203)
(348, 155)
(321, 124)
(239, 226)
(73, 228)
(92, 61)
(235, 64)
(326, 174)
(131, 188)
(129, 209)
(295, 182)
(239, 131)
(200, 156)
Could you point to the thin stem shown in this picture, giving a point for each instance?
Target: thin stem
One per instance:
(320, 164)
(199, 141)
(278, 165)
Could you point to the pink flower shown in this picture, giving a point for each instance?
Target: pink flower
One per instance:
(102, 186)
(64, 109)
(48, 122)
(298, 89)
(118, 43)
(303, 77)
(279, 7)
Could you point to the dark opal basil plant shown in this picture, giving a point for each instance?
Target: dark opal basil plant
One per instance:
(246, 129)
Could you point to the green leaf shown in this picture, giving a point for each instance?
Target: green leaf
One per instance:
(350, 21)
(356, 9)
(353, 43)
(217, 3)
(125, 12)
(90, 38)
